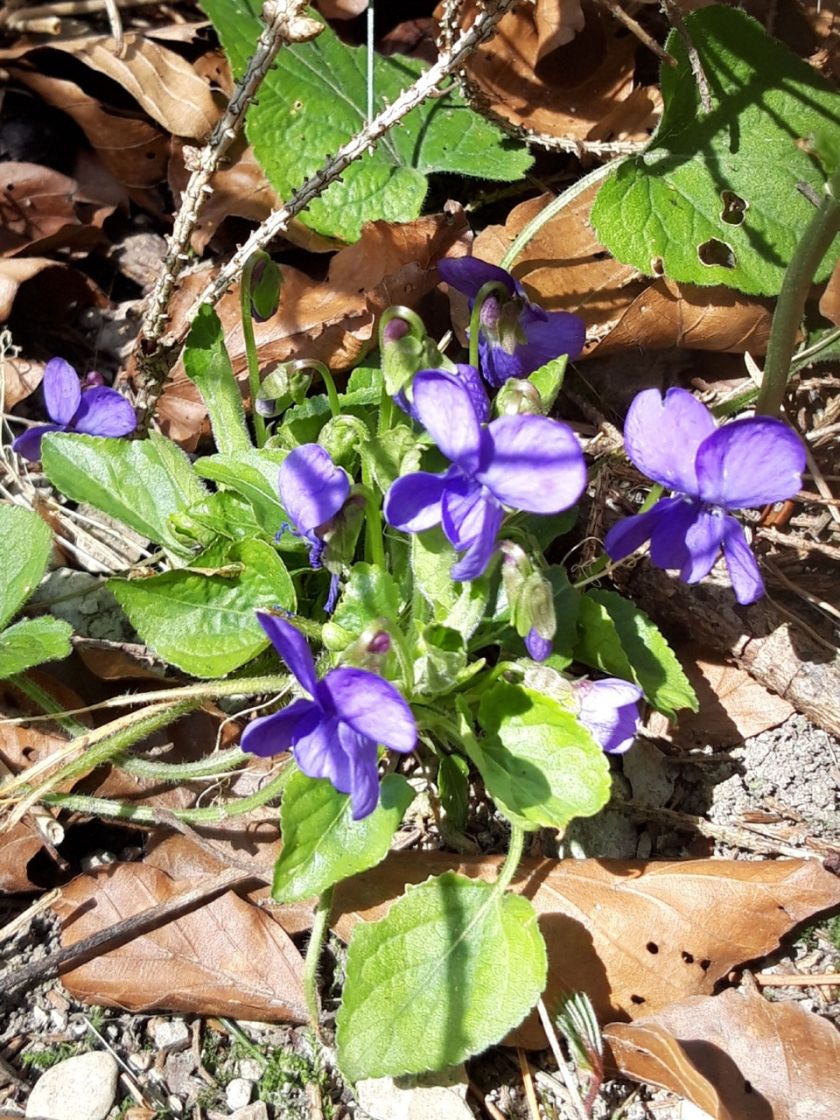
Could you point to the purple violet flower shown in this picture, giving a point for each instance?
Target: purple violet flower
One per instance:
(538, 647)
(711, 471)
(468, 376)
(516, 336)
(95, 412)
(335, 734)
(313, 491)
(527, 463)
(609, 710)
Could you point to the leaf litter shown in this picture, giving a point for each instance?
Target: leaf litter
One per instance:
(760, 901)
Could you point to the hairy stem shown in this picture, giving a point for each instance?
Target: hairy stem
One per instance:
(251, 348)
(514, 855)
(809, 253)
(320, 927)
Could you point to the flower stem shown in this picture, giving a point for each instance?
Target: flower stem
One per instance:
(374, 545)
(514, 855)
(484, 292)
(218, 763)
(251, 347)
(809, 253)
(329, 384)
(320, 927)
(47, 704)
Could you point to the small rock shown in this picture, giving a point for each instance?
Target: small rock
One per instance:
(170, 1034)
(80, 1088)
(238, 1093)
(250, 1069)
(255, 1111)
(141, 1061)
(177, 1073)
(442, 1095)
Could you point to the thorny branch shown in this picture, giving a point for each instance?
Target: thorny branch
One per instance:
(158, 353)
(284, 23)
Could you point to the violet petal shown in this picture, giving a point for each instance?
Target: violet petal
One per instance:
(62, 391)
(292, 647)
(104, 412)
(548, 335)
(28, 443)
(631, 532)
(749, 463)
(741, 564)
(662, 437)
(413, 501)
(312, 488)
(446, 411)
(318, 750)
(538, 648)
(469, 275)
(370, 705)
(536, 464)
(687, 538)
(475, 560)
(270, 735)
(361, 753)
(609, 710)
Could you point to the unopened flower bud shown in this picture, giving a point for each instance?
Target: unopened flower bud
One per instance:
(538, 648)
(519, 398)
(283, 387)
(92, 380)
(394, 330)
(266, 280)
(380, 643)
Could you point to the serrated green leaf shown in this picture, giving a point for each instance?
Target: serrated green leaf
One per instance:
(715, 196)
(656, 669)
(442, 659)
(432, 557)
(315, 99)
(206, 624)
(139, 482)
(541, 767)
(31, 642)
(223, 514)
(599, 644)
(369, 594)
(322, 844)
(24, 551)
(254, 474)
(207, 364)
(450, 969)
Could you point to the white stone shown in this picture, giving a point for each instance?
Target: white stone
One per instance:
(238, 1092)
(80, 1088)
(170, 1034)
(441, 1095)
(689, 1111)
(141, 1061)
(255, 1111)
(250, 1069)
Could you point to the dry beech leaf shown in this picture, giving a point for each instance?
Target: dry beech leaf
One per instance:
(227, 957)
(737, 1056)
(133, 149)
(565, 268)
(830, 301)
(556, 23)
(734, 705)
(20, 844)
(566, 92)
(42, 210)
(341, 9)
(162, 83)
(333, 320)
(29, 284)
(635, 936)
(20, 378)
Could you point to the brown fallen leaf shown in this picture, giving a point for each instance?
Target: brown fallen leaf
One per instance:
(19, 845)
(565, 268)
(29, 284)
(636, 937)
(737, 1056)
(734, 705)
(164, 85)
(527, 80)
(20, 378)
(830, 299)
(332, 320)
(225, 958)
(42, 210)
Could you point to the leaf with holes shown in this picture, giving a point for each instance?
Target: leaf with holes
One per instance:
(451, 969)
(716, 198)
(315, 99)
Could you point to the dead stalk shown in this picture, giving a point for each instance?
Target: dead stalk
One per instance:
(156, 354)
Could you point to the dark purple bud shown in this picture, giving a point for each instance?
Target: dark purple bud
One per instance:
(538, 648)
(491, 311)
(395, 329)
(92, 380)
(380, 643)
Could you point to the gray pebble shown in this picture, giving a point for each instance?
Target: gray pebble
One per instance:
(80, 1088)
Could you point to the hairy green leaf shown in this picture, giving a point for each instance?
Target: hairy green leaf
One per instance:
(451, 968)
(541, 767)
(207, 364)
(715, 198)
(253, 474)
(322, 844)
(24, 550)
(203, 621)
(315, 99)
(139, 482)
(32, 641)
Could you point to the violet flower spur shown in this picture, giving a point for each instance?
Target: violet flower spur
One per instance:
(609, 710)
(313, 491)
(333, 735)
(516, 336)
(712, 471)
(96, 411)
(526, 463)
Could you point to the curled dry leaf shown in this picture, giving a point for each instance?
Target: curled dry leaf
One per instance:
(527, 80)
(225, 958)
(333, 320)
(830, 300)
(737, 1056)
(635, 936)
(565, 268)
(20, 378)
(42, 210)
(29, 284)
